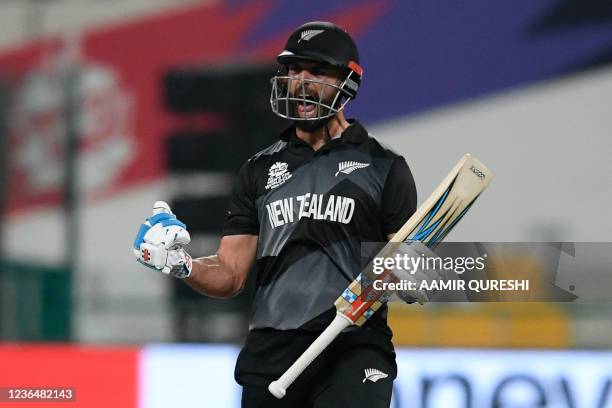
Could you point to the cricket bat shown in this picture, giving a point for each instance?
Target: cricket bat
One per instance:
(429, 224)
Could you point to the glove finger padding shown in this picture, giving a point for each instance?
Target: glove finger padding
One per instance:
(163, 229)
(170, 236)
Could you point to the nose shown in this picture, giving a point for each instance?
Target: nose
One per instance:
(301, 81)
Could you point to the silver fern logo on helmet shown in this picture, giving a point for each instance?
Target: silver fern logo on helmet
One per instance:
(308, 35)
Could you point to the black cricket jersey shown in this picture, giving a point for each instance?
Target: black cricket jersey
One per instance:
(311, 211)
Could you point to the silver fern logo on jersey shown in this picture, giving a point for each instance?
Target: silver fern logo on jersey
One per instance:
(373, 375)
(277, 175)
(308, 35)
(347, 167)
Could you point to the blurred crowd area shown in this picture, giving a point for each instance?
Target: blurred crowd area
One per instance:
(107, 106)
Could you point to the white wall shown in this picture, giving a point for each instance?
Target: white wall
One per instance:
(116, 299)
(549, 147)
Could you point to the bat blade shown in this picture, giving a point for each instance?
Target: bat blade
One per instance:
(434, 219)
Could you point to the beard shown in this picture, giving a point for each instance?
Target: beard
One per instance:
(310, 125)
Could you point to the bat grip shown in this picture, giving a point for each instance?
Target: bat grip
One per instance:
(279, 387)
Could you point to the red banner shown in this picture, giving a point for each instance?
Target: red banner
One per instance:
(98, 377)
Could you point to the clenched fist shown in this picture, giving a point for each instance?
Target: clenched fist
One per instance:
(160, 240)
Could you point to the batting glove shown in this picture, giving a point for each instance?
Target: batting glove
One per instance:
(159, 243)
(415, 249)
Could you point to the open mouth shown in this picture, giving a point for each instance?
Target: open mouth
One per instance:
(306, 106)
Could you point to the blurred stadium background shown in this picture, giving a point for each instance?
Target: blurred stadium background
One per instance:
(108, 105)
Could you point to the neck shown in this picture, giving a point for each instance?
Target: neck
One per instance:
(318, 137)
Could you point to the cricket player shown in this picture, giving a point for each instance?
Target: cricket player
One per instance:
(299, 211)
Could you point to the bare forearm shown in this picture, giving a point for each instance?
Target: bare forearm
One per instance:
(211, 277)
(223, 275)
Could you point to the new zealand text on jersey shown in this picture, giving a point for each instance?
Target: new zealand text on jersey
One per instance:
(315, 206)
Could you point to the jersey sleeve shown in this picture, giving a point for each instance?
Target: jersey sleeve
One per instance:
(399, 197)
(242, 213)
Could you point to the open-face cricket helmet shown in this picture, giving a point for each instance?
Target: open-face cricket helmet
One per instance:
(327, 44)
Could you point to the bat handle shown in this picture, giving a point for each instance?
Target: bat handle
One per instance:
(279, 387)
